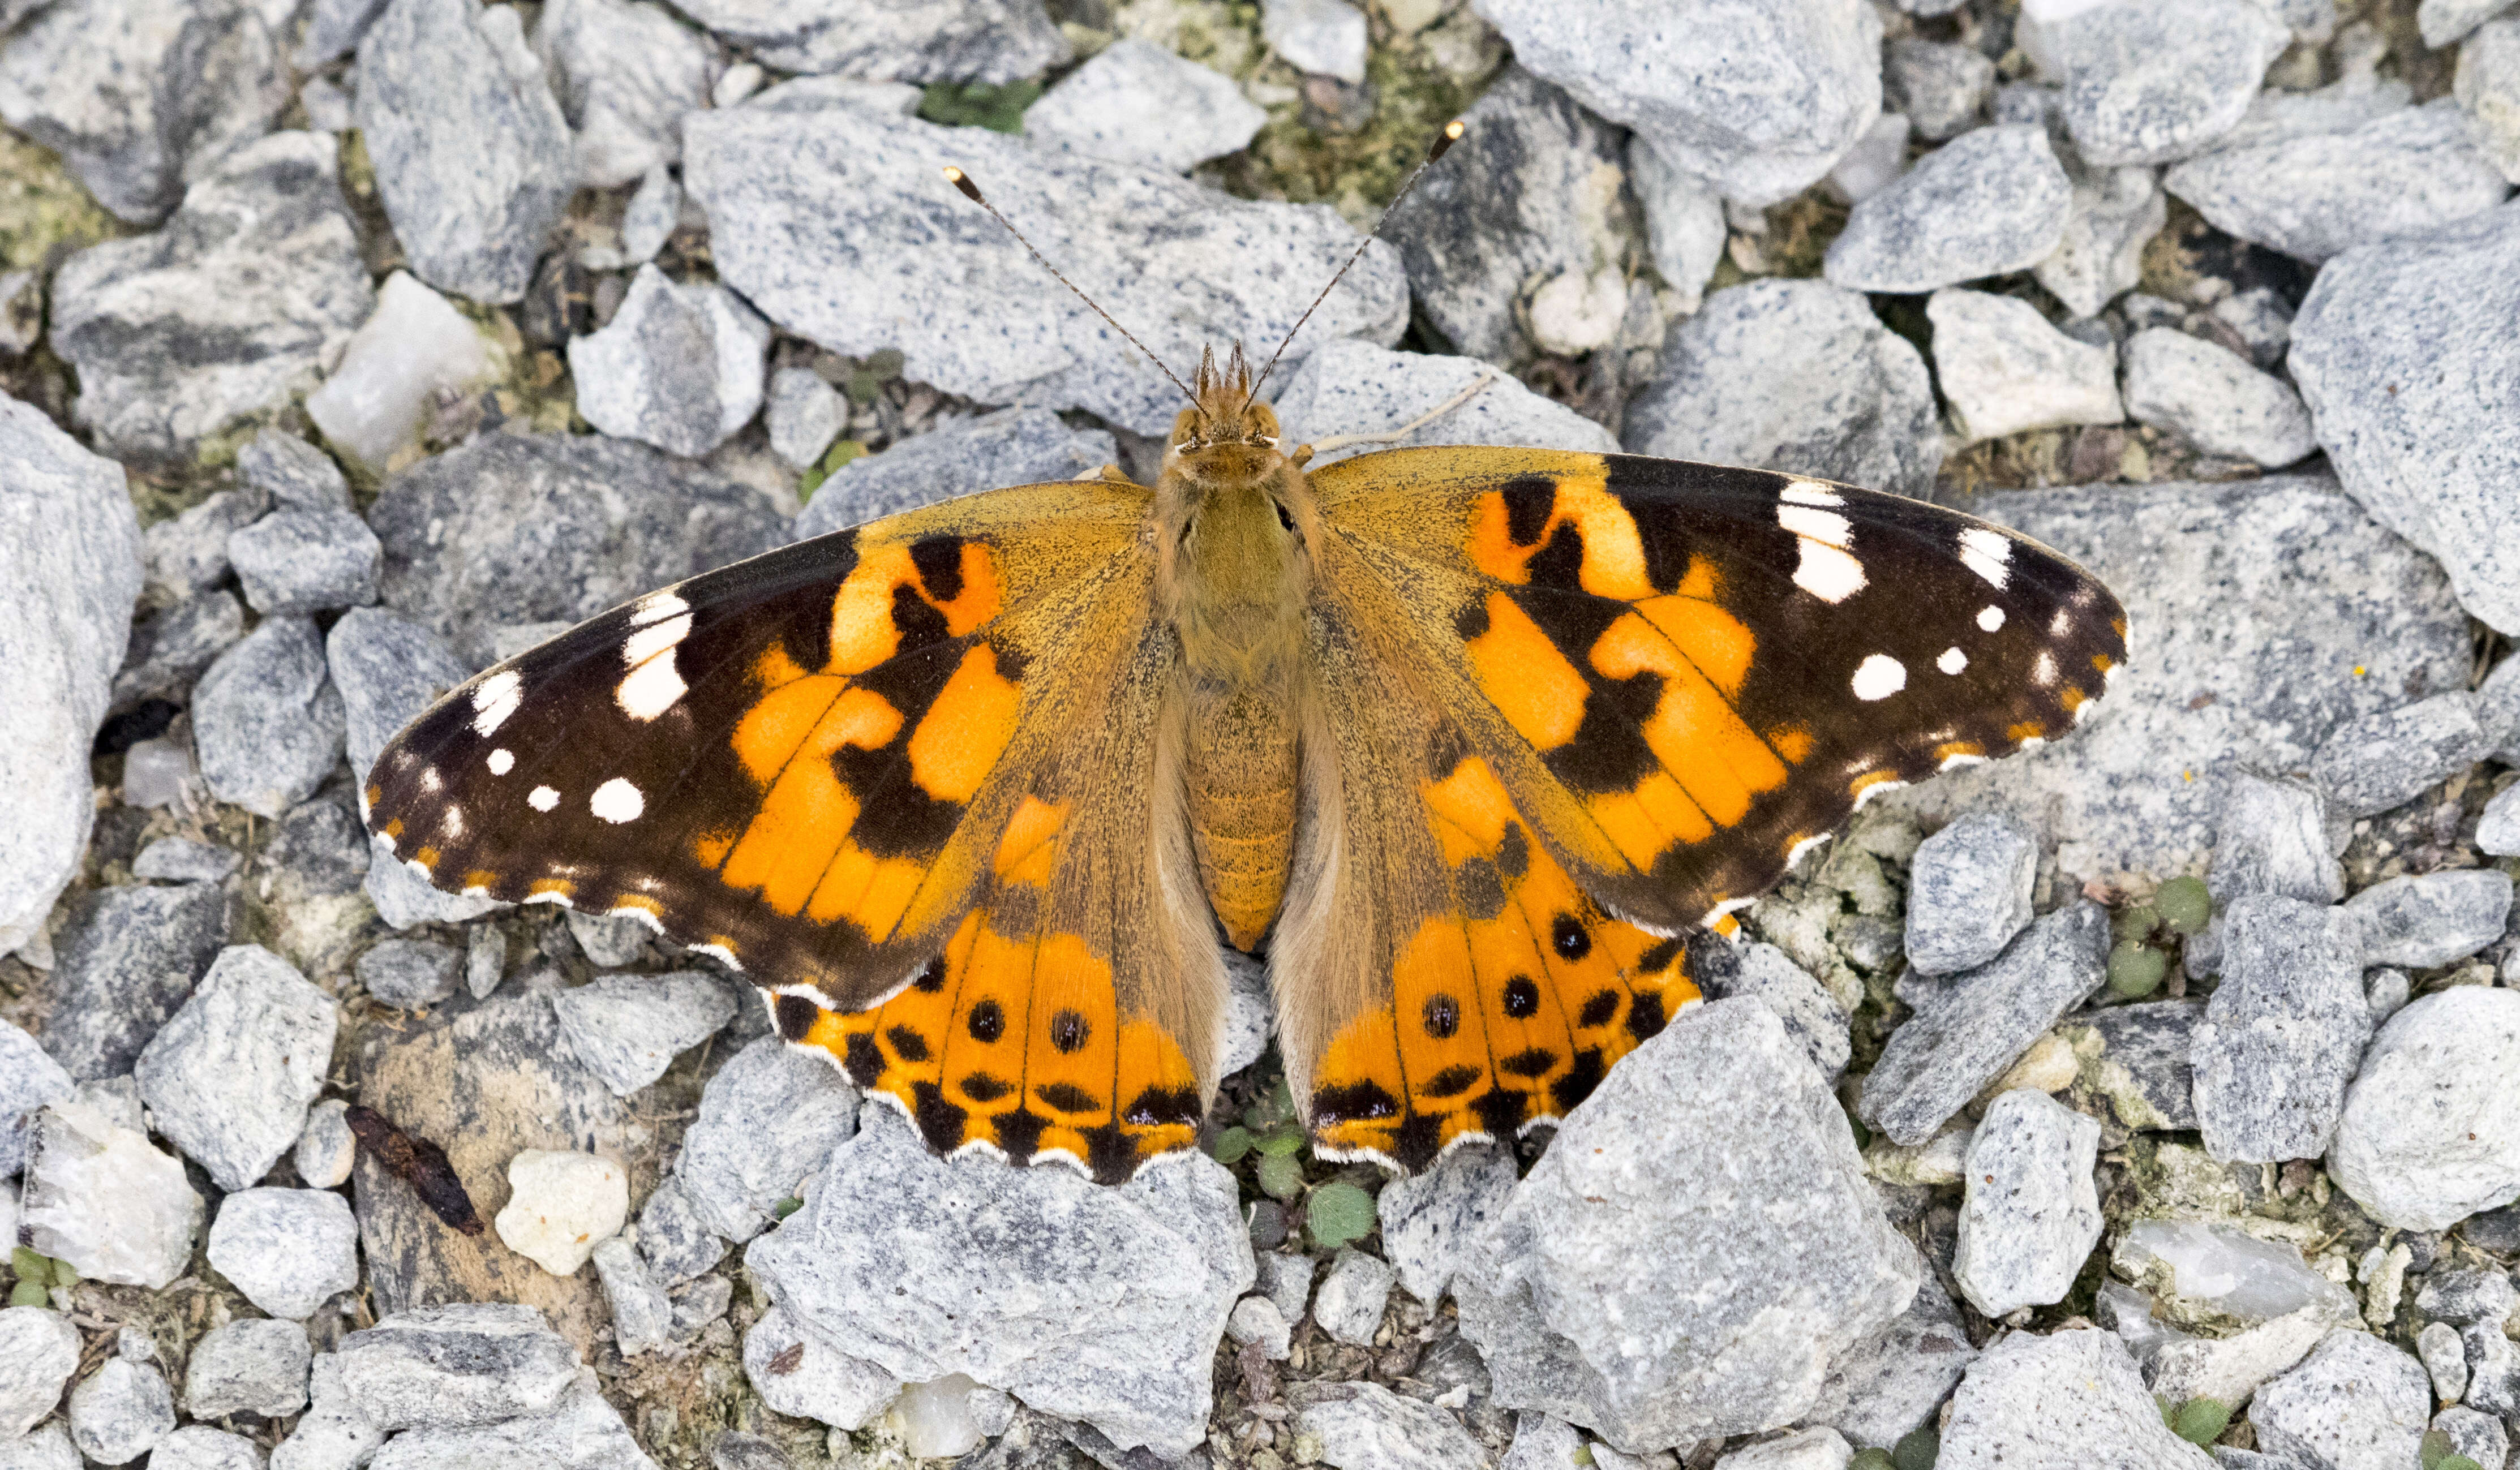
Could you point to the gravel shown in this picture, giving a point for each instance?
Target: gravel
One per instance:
(2398, 369)
(1798, 375)
(1990, 201)
(228, 1079)
(624, 73)
(1766, 1276)
(66, 595)
(2004, 370)
(2151, 82)
(2283, 1034)
(2068, 1399)
(267, 720)
(628, 1029)
(2314, 195)
(1016, 446)
(1968, 892)
(2431, 919)
(2214, 399)
(2355, 1402)
(287, 1250)
(253, 1365)
(1139, 103)
(679, 367)
(2431, 1130)
(2030, 1211)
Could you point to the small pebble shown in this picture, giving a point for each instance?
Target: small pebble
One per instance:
(563, 1206)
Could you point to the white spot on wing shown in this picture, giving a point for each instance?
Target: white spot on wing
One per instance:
(430, 781)
(1728, 905)
(721, 953)
(543, 799)
(1952, 661)
(617, 801)
(2059, 625)
(1875, 789)
(1954, 762)
(1827, 573)
(649, 642)
(651, 688)
(632, 911)
(1990, 619)
(1795, 854)
(1987, 553)
(1825, 526)
(452, 822)
(655, 608)
(1879, 677)
(494, 699)
(2044, 670)
(1807, 492)
(502, 761)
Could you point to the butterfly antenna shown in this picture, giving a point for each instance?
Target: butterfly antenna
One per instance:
(971, 191)
(1444, 140)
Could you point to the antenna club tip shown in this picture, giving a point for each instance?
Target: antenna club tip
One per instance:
(1444, 140)
(963, 181)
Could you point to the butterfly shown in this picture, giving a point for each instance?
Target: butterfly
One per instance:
(1474, 744)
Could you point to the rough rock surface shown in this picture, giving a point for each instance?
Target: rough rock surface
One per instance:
(2067, 1401)
(925, 1266)
(1796, 376)
(1780, 1256)
(66, 595)
(989, 324)
(2431, 1130)
(237, 301)
(2283, 1032)
(1016, 446)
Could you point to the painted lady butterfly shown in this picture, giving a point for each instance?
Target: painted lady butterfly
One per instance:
(1465, 740)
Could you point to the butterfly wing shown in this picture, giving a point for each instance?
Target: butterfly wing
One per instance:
(812, 764)
(1668, 678)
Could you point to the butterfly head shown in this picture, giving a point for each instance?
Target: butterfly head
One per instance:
(1223, 435)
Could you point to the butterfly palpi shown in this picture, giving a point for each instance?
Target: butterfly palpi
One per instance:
(1468, 741)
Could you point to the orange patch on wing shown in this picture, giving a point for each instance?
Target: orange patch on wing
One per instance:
(1521, 672)
(1869, 779)
(2027, 730)
(787, 741)
(965, 732)
(1792, 742)
(479, 878)
(1614, 556)
(553, 887)
(1472, 811)
(863, 632)
(1951, 748)
(1029, 848)
(1695, 731)
(711, 848)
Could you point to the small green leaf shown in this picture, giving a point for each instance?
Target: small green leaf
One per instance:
(29, 1264)
(999, 109)
(1281, 1176)
(2135, 970)
(1231, 1144)
(1282, 1138)
(2184, 903)
(2201, 1421)
(1916, 1450)
(65, 1273)
(787, 1207)
(29, 1294)
(2455, 1463)
(840, 453)
(2136, 923)
(2433, 1448)
(1871, 1459)
(1337, 1213)
(2168, 1413)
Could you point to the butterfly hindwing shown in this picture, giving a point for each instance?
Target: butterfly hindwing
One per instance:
(1683, 673)
(1440, 976)
(1071, 1013)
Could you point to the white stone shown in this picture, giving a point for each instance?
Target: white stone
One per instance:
(563, 1205)
(1321, 37)
(2069, 1400)
(680, 366)
(1353, 387)
(2355, 1404)
(1138, 103)
(326, 1148)
(101, 1198)
(2214, 399)
(2431, 1132)
(820, 1382)
(198, 1447)
(1349, 1304)
(1875, 161)
(1575, 312)
(2444, 1359)
(2231, 1369)
(121, 1410)
(1256, 1321)
(2030, 1210)
(2488, 86)
(1803, 1450)
(40, 1350)
(648, 221)
(805, 415)
(1684, 221)
(624, 74)
(2215, 1271)
(414, 345)
(155, 773)
(47, 1449)
(229, 1078)
(289, 1251)
(2498, 832)
(2004, 370)
(936, 1419)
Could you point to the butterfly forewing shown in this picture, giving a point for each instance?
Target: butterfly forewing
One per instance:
(1641, 686)
(1688, 671)
(800, 762)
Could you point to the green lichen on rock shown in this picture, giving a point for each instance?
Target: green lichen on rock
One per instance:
(43, 207)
